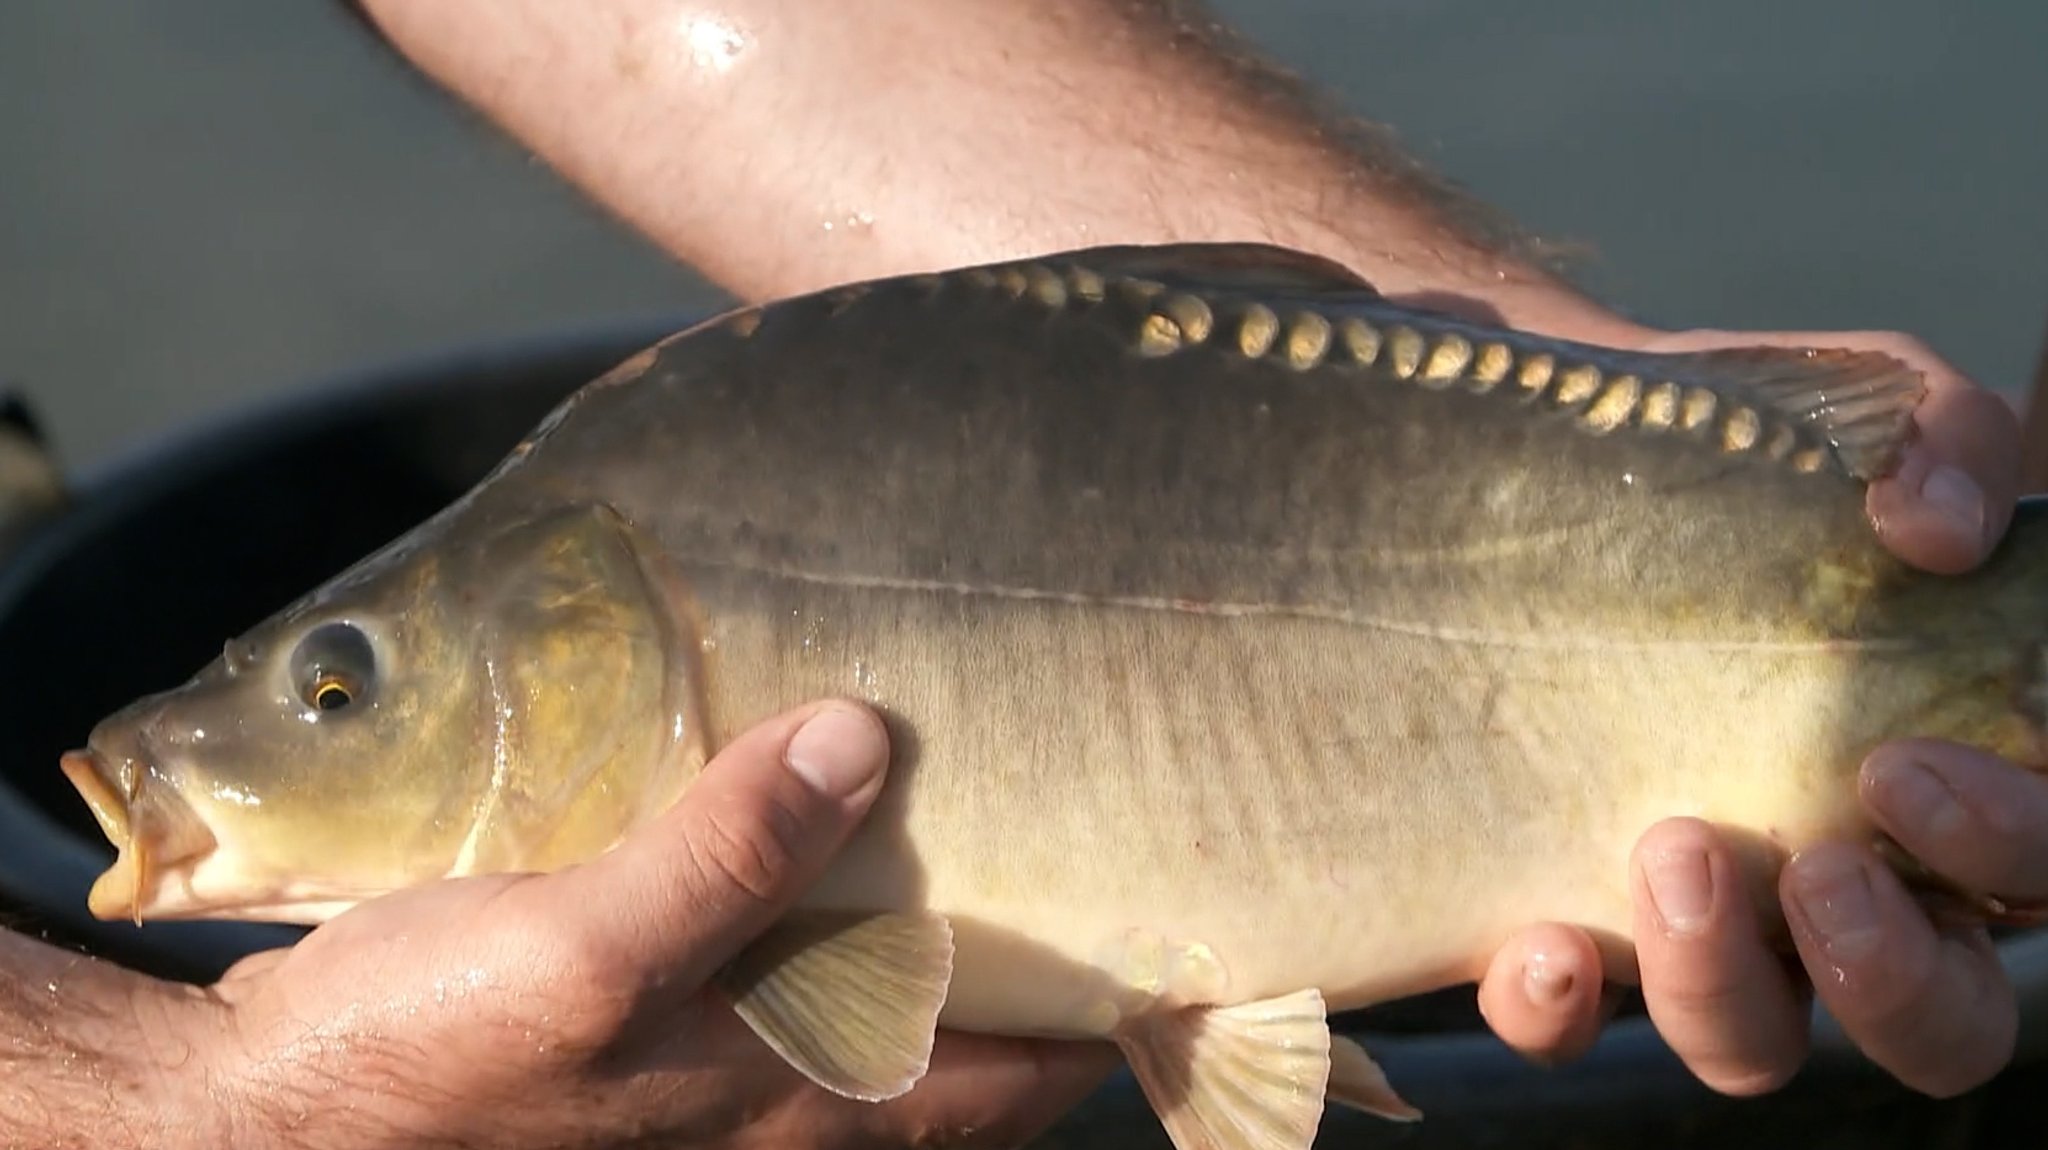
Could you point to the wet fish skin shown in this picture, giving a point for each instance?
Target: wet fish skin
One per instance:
(1251, 643)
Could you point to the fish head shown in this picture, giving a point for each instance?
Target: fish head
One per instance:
(488, 693)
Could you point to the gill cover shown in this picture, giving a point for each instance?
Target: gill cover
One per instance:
(586, 683)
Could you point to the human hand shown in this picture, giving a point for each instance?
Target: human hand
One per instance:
(1927, 1001)
(568, 1009)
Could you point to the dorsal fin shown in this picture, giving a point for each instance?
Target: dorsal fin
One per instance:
(1859, 402)
(1798, 404)
(1226, 265)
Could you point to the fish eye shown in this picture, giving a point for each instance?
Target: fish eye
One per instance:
(333, 666)
(331, 694)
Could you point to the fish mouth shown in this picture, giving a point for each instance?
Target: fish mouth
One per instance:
(153, 831)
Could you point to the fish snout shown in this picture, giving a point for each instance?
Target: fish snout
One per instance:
(152, 828)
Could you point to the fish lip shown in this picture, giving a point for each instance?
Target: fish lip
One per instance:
(151, 828)
(89, 775)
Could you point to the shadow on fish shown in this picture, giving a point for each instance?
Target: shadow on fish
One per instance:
(1258, 649)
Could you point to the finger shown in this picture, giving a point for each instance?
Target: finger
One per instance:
(1934, 1009)
(684, 894)
(981, 1091)
(1542, 993)
(1970, 816)
(995, 1092)
(1723, 1004)
(251, 967)
(1951, 497)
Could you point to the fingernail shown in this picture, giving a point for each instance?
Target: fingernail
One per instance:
(1953, 495)
(1913, 796)
(838, 752)
(1681, 889)
(1545, 980)
(1833, 894)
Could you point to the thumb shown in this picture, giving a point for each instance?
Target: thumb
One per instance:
(685, 893)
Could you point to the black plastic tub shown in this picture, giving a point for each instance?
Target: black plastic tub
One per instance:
(166, 554)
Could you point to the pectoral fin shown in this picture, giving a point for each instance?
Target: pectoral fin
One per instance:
(1247, 1077)
(1358, 1082)
(850, 1000)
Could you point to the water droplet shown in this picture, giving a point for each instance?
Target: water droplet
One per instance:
(813, 638)
(713, 45)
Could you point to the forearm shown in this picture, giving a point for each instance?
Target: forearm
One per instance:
(91, 1055)
(779, 147)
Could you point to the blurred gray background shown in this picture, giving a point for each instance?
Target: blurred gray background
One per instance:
(212, 200)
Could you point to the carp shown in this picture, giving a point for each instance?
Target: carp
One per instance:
(1256, 649)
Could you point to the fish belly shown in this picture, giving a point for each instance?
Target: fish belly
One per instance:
(1129, 807)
